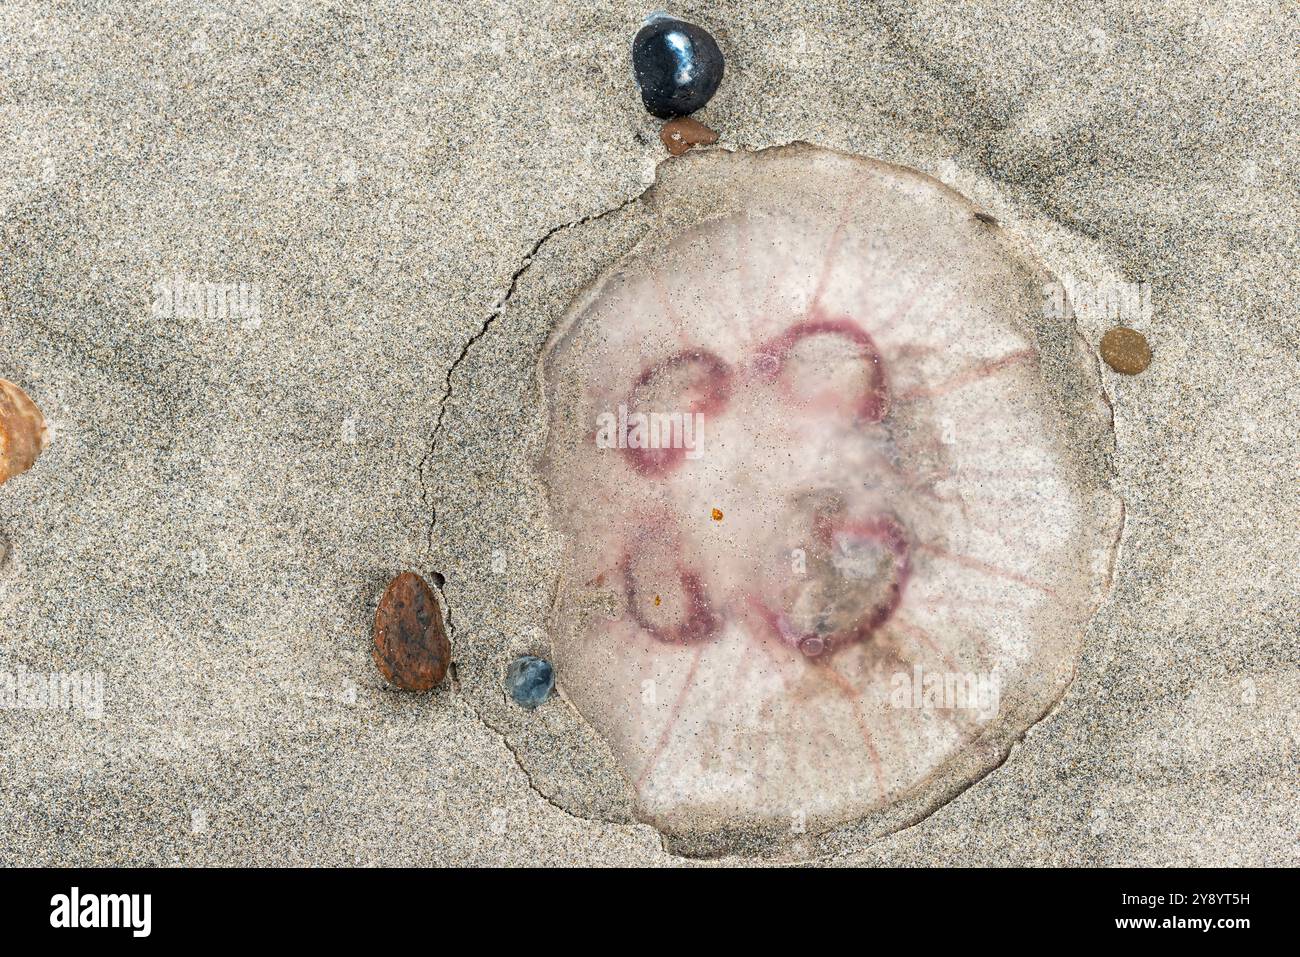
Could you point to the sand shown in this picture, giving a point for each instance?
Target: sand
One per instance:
(414, 193)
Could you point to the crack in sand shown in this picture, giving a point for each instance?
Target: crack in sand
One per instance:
(505, 740)
(497, 311)
(426, 484)
(519, 763)
(523, 768)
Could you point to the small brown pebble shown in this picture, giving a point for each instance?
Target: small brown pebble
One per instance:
(1125, 350)
(681, 134)
(23, 434)
(717, 514)
(411, 646)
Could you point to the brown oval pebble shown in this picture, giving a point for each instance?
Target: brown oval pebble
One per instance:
(681, 134)
(411, 646)
(1125, 350)
(23, 434)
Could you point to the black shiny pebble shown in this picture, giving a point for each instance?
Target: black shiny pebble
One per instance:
(677, 65)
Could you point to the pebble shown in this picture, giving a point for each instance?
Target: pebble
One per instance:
(23, 433)
(530, 680)
(411, 646)
(1125, 350)
(681, 134)
(677, 65)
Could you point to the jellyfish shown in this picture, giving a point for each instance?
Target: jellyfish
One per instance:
(829, 488)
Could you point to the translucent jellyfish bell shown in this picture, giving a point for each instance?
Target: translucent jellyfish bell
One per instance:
(831, 493)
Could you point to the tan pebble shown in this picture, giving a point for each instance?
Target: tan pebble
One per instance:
(23, 434)
(681, 134)
(1125, 350)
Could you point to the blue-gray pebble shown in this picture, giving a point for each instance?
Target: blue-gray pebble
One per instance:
(530, 680)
